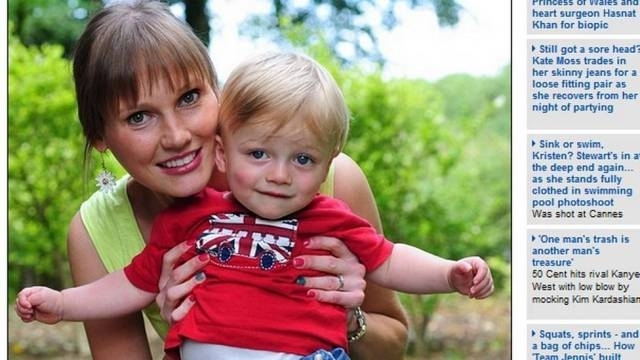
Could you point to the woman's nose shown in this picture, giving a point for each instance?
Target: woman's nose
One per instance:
(175, 134)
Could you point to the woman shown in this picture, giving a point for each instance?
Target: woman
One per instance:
(147, 92)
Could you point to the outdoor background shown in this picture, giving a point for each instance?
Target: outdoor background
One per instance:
(434, 146)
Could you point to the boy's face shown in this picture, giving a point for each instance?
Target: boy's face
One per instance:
(273, 174)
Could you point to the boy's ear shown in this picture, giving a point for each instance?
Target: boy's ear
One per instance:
(328, 168)
(220, 159)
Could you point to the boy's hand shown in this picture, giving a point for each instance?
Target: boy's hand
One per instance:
(39, 303)
(471, 276)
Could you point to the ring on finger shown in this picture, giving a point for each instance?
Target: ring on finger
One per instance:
(340, 282)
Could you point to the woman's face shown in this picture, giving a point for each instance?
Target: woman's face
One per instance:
(166, 139)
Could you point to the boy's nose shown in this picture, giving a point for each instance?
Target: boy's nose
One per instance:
(279, 174)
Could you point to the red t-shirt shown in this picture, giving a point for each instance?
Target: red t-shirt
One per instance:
(250, 298)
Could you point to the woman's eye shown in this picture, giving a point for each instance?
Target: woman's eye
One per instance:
(137, 118)
(303, 159)
(189, 97)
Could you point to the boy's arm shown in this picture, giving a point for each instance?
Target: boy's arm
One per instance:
(412, 270)
(415, 271)
(110, 296)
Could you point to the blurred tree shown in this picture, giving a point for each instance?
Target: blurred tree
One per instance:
(350, 25)
(440, 173)
(50, 21)
(479, 109)
(197, 16)
(45, 176)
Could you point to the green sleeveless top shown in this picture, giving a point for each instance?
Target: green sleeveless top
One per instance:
(114, 231)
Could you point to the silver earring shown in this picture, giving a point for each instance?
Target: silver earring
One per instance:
(105, 181)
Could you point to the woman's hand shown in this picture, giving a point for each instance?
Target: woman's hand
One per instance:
(176, 283)
(344, 285)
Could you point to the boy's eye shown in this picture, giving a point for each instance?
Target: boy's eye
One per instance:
(258, 154)
(303, 159)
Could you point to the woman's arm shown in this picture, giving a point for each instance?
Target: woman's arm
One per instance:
(125, 335)
(387, 322)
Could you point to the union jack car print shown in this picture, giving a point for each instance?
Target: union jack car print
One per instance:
(267, 243)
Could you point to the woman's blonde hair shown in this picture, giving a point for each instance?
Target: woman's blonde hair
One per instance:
(273, 89)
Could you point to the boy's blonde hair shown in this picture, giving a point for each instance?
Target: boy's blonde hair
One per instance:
(274, 89)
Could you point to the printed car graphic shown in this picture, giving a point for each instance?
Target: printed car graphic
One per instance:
(268, 242)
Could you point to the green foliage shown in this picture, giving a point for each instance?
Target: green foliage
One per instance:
(478, 186)
(45, 163)
(351, 26)
(437, 157)
(396, 139)
(51, 21)
(440, 175)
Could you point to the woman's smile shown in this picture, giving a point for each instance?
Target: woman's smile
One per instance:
(180, 160)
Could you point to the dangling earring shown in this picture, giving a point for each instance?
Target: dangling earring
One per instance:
(105, 181)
